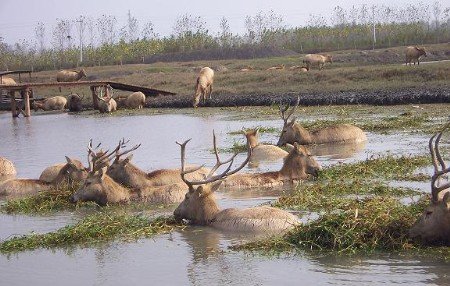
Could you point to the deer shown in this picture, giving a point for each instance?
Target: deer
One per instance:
(200, 207)
(131, 176)
(298, 165)
(294, 132)
(433, 227)
(100, 188)
(262, 152)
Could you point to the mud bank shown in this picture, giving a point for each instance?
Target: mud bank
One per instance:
(372, 97)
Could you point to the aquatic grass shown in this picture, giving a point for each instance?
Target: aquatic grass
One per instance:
(98, 228)
(262, 129)
(401, 122)
(44, 202)
(329, 196)
(47, 201)
(386, 167)
(377, 223)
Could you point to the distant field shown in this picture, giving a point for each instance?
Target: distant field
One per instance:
(352, 70)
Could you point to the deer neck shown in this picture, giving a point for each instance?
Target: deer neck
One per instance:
(209, 211)
(115, 193)
(303, 135)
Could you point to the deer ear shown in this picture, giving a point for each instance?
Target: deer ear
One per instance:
(202, 192)
(102, 172)
(446, 200)
(215, 186)
(292, 122)
(127, 159)
(69, 161)
(256, 131)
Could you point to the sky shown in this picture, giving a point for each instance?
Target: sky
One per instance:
(17, 21)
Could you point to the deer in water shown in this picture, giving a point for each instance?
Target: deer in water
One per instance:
(294, 132)
(101, 188)
(129, 175)
(199, 206)
(433, 227)
(262, 152)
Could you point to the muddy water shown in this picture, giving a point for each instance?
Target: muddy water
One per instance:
(197, 256)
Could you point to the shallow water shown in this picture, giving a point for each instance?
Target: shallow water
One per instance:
(197, 256)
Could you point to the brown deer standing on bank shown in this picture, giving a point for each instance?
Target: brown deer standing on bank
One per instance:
(294, 132)
(433, 227)
(200, 206)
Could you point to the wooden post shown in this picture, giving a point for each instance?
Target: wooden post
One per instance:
(106, 91)
(26, 99)
(94, 97)
(13, 103)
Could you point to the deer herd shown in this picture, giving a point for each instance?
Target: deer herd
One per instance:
(111, 177)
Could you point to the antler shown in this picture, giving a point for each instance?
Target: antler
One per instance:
(437, 162)
(210, 178)
(122, 145)
(96, 159)
(283, 108)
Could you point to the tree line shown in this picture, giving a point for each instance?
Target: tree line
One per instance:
(106, 43)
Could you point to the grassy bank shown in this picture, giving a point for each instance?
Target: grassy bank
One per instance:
(349, 72)
(98, 228)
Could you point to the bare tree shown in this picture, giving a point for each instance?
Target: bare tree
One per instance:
(133, 28)
(225, 35)
(189, 25)
(39, 32)
(60, 34)
(107, 28)
(148, 32)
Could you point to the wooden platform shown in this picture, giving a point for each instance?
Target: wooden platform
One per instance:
(26, 92)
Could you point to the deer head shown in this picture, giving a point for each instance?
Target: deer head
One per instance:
(199, 205)
(434, 224)
(118, 166)
(288, 132)
(97, 185)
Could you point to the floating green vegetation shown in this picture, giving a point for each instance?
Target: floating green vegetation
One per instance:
(330, 196)
(44, 202)
(97, 228)
(262, 129)
(386, 167)
(378, 223)
(401, 122)
(237, 147)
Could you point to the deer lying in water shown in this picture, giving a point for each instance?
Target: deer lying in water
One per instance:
(129, 175)
(294, 132)
(262, 152)
(103, 189)
(200, 207)
(433, 227)
(298, 165)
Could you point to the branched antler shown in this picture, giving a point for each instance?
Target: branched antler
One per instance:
(122, 145)
(439, 165)
(284, 108)
(211, 177)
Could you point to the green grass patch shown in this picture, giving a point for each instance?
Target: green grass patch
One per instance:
(385, 167)
(262, 129)
(374, 224)
(330, 196)
(402, 122)
(44, 202)
(98, 228)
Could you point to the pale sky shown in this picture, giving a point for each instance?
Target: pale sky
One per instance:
(18, 18)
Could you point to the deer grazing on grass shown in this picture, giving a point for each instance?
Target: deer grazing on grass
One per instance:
(433, 227)
(199, 206)
(294, 132)
(203, 87)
